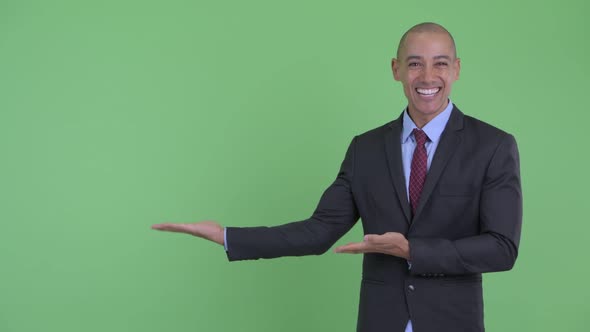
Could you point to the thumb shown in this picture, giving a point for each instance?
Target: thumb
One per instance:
(370, 238)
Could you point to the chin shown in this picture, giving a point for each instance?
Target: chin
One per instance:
(430, 108)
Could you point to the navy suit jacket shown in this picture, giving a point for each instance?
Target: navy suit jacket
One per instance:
(468, 222)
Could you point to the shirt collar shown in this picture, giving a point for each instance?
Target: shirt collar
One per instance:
(433, 129)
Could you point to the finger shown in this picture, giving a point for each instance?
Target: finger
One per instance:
(379, 240)
(160, 226)
(375, 241)
(351, 248)
(169, 227)
(157, 226)
(371, 238)
(347, 251)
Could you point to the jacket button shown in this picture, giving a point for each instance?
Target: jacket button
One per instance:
(411, 287)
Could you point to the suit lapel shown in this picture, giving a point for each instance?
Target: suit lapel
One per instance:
(449, 141)
(394, 159)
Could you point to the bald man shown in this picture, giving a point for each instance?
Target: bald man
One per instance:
(438, 193)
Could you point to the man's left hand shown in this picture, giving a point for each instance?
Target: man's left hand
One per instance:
(390, 243)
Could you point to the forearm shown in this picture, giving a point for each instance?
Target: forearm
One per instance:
(490, 252)
(307, 237)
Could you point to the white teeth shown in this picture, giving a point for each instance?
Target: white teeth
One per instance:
(427, 91)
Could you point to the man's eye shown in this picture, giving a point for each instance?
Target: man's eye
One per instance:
(414, 64)
(442, 64)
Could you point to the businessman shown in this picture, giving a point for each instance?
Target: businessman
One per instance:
(438, 193)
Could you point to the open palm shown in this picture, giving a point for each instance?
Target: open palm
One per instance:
(209, 230)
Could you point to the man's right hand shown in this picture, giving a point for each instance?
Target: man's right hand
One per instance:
(208, 230)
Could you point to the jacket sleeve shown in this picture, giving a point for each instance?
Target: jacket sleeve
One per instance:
(500, 219)
(335, 215)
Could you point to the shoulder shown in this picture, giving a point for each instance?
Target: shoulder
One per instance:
(483, 132)
(474, 125)
(374, 140)
(376, 133)
(479, 138)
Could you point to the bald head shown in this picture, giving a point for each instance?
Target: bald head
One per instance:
(427, 66)
(425, 27)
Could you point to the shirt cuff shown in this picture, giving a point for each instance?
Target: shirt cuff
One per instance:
(225, 239)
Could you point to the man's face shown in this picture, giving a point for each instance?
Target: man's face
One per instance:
(427, 67)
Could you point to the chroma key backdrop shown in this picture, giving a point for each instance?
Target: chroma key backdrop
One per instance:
(115, 115)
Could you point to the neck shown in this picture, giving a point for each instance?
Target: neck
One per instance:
(421, 120)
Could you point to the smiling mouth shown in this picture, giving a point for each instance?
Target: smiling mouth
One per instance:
(427, 92)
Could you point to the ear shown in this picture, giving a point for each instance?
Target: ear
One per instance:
(395, 69)
(457, 68)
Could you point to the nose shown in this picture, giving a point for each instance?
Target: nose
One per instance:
(428, 74)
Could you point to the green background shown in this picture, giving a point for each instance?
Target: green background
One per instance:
(115, 115)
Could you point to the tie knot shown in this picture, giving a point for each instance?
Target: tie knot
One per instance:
(420, 136)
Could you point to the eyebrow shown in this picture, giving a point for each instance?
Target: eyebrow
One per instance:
(438, 57)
